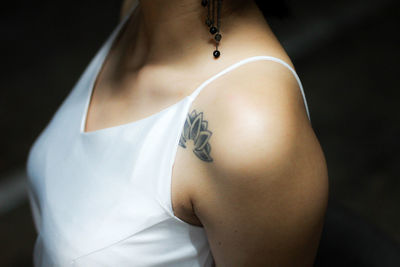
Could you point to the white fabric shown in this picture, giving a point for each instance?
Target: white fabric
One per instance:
(103, 198)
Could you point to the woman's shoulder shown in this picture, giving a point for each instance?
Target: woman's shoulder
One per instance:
(264, 84)
(256, 111)
(259, 97)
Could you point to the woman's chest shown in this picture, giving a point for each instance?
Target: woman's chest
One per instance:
(109, 168)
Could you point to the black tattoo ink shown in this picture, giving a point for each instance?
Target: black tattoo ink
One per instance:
(195, 128)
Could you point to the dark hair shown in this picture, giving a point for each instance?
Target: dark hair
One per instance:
(269, 8)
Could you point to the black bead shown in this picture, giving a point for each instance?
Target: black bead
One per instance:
(213, 30)
(216, 53)
(204, 2)
(218, 37)
(208, 22)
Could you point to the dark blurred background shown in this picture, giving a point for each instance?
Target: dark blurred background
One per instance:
(345, 52)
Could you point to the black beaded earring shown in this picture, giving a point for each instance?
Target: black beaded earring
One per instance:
(210, 22)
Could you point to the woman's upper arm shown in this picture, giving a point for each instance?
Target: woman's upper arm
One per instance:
(265, 200)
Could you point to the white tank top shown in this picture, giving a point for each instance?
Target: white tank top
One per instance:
(103, 198)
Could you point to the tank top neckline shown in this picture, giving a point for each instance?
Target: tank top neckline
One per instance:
(105, 51)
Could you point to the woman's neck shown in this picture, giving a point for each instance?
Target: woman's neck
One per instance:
(167, 32)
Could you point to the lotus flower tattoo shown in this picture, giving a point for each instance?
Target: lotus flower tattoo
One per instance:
(195, 128)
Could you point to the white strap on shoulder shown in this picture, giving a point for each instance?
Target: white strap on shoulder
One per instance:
(247, 60)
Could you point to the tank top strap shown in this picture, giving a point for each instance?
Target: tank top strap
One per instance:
(247, 60)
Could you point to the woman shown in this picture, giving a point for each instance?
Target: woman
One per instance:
(138, 168)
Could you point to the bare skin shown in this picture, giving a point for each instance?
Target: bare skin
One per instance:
(262, 197)
(179, 58)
